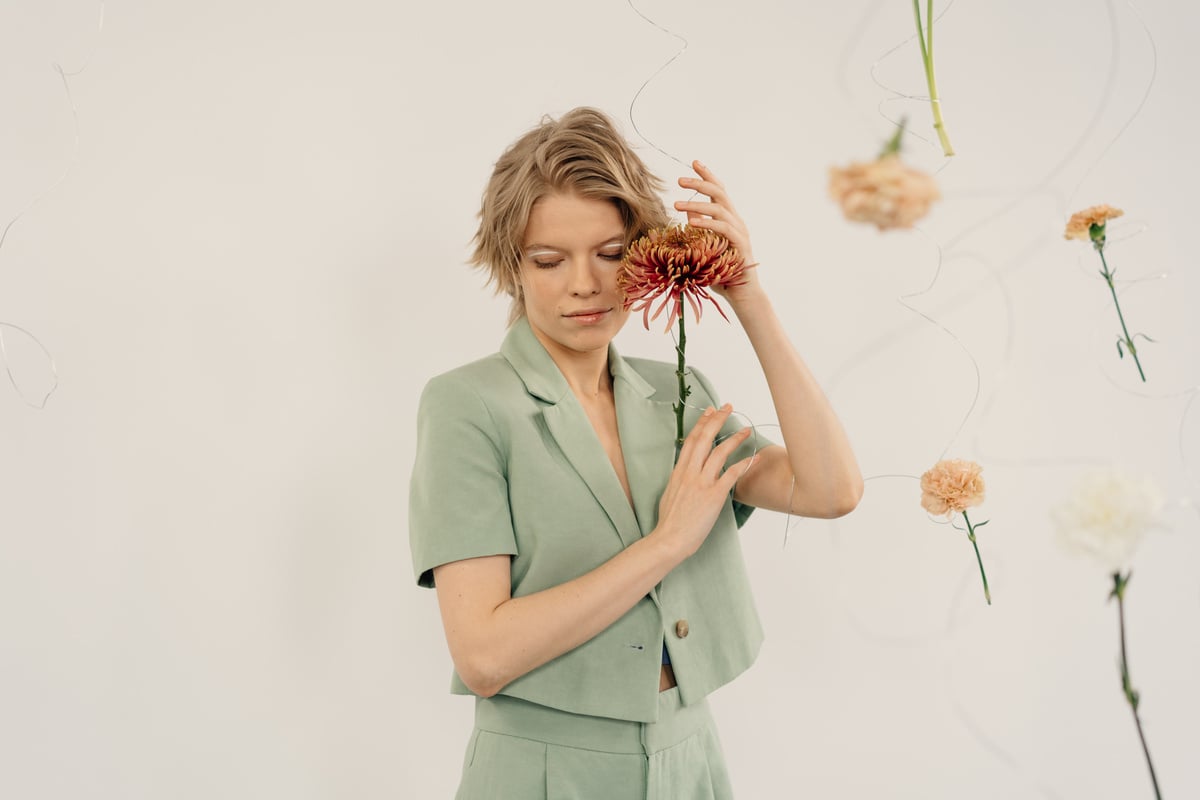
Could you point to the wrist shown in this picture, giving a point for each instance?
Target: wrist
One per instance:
(749, 300)
(667, 547)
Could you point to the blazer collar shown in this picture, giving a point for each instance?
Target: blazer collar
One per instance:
(645, 424)
(542, 377)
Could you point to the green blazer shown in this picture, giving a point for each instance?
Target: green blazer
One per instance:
(508, 463)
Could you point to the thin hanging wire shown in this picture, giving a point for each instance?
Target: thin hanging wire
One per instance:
(65, 75)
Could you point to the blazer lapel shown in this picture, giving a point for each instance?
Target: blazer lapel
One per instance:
(647, 428)
(570, 427)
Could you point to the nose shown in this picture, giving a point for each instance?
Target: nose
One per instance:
(584, 279)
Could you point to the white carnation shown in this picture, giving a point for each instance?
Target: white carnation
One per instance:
(1107, 516)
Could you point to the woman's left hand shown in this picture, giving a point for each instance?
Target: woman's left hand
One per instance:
(719, 215)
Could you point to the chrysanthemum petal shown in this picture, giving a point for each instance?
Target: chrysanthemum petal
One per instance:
(677, 261)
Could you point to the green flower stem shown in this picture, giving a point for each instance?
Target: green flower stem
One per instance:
(684, 391)
(926, 40)
(987, 593)
(1119, 583)
(893, 145)
(1108, 277)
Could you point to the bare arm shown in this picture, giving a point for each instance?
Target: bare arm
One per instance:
(827, 480)
(495, 638)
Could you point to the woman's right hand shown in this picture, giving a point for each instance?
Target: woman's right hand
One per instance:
(697, 489)
(496, 638)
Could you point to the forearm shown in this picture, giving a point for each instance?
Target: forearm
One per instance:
(819, 459)
(522, 633)
(495, 638)
(828, 482)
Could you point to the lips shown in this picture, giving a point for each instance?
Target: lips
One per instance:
(587, 312)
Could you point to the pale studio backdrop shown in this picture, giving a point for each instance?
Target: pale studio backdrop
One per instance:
(256, 260)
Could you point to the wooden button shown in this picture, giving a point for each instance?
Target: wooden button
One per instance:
(681, 628)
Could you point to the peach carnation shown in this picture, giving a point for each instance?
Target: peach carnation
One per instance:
(884, 192)
(676, 263)
(952, 485)
(1081, 222)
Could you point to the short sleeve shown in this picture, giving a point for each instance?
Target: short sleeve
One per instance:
(752, 445)
(458, 496)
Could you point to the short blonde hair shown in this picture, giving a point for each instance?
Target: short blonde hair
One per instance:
(581, 153)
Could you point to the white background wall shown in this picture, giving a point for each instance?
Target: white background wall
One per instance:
(256, 261)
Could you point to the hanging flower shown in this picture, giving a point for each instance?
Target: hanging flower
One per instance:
(1081, 222)
(1090, 225)
(1106, 518)
(674, 263)
(883, 192)
(1107, 515)
(952, 486)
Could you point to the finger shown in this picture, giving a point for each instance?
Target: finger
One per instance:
(721, 453)
(735, 472)
(712, 211)
(714, 190)
(716, 210)
(700, 441)
(688, 448)
(730, 231)
(707, 174)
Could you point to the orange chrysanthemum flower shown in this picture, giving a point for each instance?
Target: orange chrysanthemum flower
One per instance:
(674, 263)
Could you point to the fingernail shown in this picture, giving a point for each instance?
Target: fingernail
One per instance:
(727, 407)
(708, 411)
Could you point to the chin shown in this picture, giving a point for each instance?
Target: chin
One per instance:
(564, 333)
(590, 338)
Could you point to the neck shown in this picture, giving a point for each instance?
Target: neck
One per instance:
(587, 373)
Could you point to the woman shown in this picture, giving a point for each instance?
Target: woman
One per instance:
(592, 592)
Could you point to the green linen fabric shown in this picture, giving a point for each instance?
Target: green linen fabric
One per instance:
(523, 751)
(508, 463)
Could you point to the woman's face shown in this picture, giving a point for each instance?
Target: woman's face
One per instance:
(571, 255)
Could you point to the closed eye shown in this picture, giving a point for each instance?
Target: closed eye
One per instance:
(546, 264)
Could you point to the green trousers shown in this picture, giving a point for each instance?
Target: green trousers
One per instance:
(523, 751)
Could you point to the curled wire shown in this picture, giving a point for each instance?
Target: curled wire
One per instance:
(65, 76)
